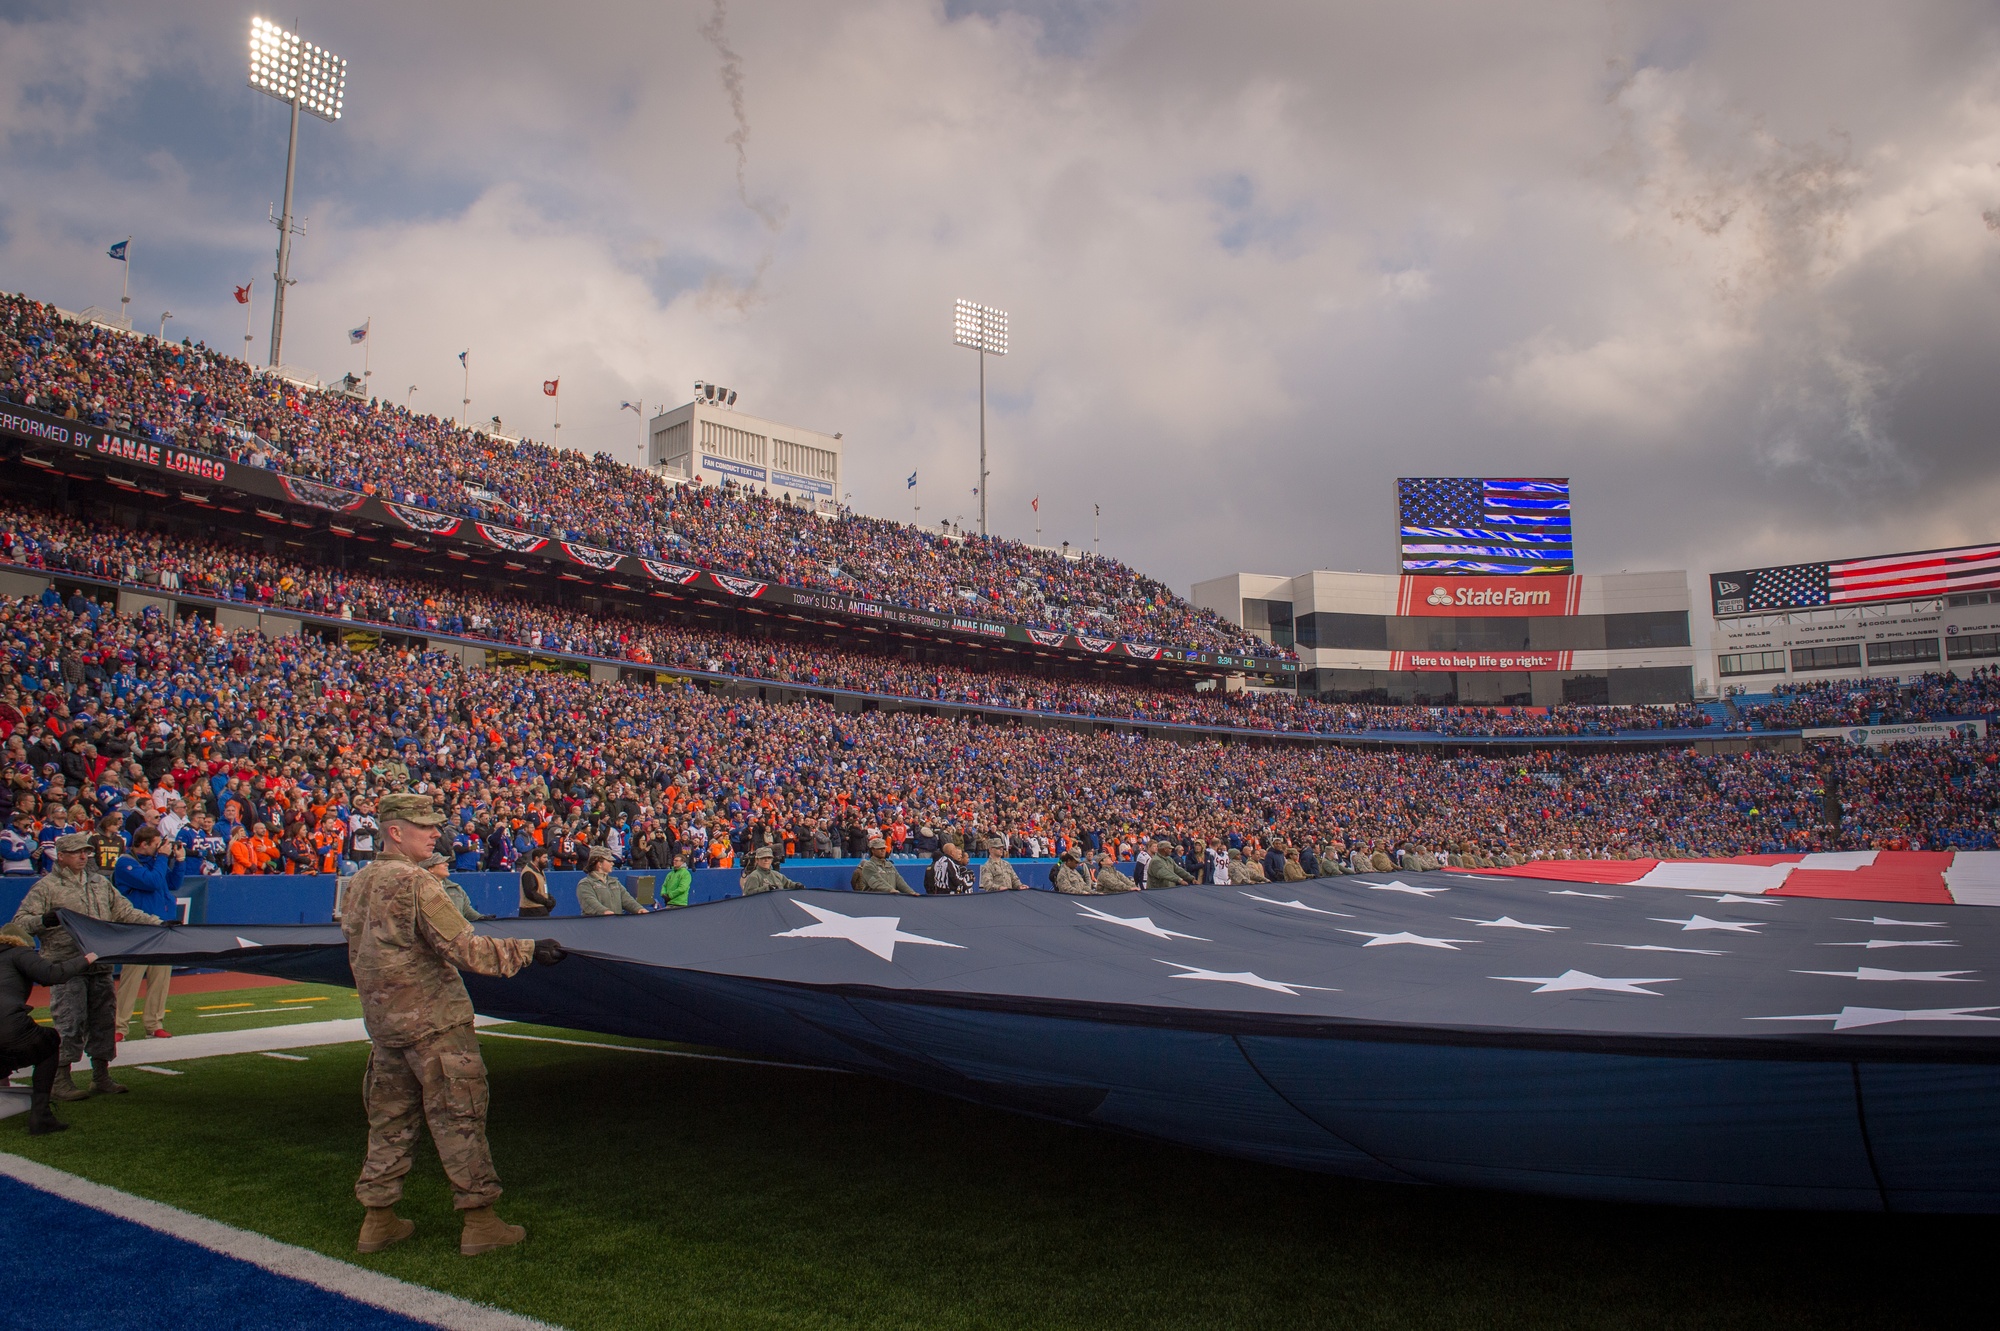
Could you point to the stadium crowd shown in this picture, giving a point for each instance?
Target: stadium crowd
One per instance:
(199, 399)
(234, 571)
(267, 755)
(1883, 702)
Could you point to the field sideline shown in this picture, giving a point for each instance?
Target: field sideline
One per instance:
(675, 1192)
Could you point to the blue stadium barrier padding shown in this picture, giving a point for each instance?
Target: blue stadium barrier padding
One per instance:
(308, 898)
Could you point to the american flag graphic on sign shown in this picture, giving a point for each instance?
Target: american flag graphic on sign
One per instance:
(1927, 573)
(1471, 524)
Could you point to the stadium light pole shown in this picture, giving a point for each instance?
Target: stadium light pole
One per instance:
(983, 329)
(311, 79)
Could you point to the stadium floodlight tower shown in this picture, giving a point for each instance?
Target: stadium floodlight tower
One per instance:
(984, 330)
(314, 80)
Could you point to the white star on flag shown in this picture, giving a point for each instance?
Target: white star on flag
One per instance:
(1850, 1017)
(1905, 924)
(1400, 886)
(875, 933)
(1249, 978)
(241, 941)
(1386, 940)
(1872, 973)
(1509, 922)
(1298, 905)
(1143, 924)
(1732, 899)
(1697, 923)
(1874, 943)
(1661, 947)
(1571, 892)
(1575, 980)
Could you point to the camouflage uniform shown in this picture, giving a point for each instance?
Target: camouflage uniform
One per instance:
(84, 1008)
(1071, 882)
(1108, 879)
(598, 893)
(997, 875)
(406, 943)
(873, 875)
(764, 878)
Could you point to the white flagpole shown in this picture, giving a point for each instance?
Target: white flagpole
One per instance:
(367, 348)
(249, 313)
(558, 398)
(125, 291)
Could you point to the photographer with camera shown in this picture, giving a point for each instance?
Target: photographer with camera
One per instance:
(149, 875)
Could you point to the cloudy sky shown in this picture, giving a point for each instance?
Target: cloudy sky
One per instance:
(1733, 268)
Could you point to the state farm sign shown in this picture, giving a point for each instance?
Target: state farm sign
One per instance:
(1443, 597)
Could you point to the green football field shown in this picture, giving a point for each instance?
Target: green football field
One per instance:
(671, 1192)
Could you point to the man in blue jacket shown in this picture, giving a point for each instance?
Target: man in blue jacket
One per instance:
(149, 875)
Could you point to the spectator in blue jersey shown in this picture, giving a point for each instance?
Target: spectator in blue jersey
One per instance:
(150, 876)
(18, 844)
(467, 854)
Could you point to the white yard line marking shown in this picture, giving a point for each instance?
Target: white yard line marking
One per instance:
(158, 1072)
(664, 1053)
(289, 1058)
(354, 1282)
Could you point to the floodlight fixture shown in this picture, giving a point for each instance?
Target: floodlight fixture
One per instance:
(308, 78)
(983, 329)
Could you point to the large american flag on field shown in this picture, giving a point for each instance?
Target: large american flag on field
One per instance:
(1474, 524)
(1928, 573)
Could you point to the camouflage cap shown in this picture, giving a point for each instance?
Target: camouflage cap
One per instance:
(72, 843)
(434, 861)
(998, 845)
(596, 853)
(404, 807)
(761, 853)
(875, 842)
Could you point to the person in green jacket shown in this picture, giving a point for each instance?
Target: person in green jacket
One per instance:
(601, 894)
(674, 892)
(1162, 871)
(440, 868)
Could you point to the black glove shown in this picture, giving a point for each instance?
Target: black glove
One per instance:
(50, 919)
(548, 951)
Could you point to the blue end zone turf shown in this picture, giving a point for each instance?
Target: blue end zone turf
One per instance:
(134, 1276)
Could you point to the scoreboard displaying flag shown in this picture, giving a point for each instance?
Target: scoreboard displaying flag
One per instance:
(1472, 524)
(1924, 574)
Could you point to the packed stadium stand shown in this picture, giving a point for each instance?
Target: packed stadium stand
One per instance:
(632, 718)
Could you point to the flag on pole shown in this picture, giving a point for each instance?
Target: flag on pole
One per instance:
(243, 294)
(358, 334)
(118, 251)
(1036, 503)
(636, 408)
(461, 358)
(911, 484)
(549, 386)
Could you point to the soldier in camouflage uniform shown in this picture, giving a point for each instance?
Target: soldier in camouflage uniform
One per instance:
(406, 943)
(1108, 878)
(598, 893)
(85, 1008)
(763, 878)
(997, 875)
(1070, 880)
(440, 868)
(876, 874)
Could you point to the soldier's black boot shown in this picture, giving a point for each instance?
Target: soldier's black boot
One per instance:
(41, 1118)
(100, 1079)
(62, 1088)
